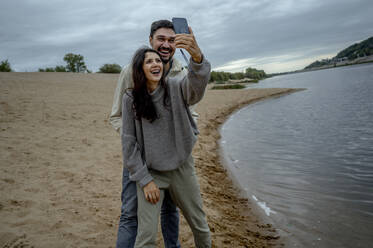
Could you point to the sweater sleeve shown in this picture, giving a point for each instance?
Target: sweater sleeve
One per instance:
(193, 85)
(132, 158)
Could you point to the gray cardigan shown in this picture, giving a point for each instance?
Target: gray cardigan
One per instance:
(166, 143)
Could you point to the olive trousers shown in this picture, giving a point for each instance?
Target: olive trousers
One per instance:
(183, 187)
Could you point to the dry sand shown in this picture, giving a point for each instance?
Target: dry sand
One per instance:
(61, 166)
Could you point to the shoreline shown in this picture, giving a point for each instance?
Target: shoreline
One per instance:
(236, 221)
(61, 165)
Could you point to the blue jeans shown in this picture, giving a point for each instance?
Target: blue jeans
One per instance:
(127, 230)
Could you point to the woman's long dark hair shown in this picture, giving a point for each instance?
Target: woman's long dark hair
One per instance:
(142, 100)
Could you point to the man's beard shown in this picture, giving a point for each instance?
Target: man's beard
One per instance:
(164, 59)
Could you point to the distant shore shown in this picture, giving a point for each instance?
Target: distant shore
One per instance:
(61, 164)
(358, 61)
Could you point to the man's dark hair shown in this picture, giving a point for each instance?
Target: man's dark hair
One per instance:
(160, 24)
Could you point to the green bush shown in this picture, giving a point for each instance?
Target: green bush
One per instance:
(229, 86)
(110, 68)
(5, 66)
(60, 68)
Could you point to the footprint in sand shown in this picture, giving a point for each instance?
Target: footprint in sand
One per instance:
(21, 204)
(9, 180)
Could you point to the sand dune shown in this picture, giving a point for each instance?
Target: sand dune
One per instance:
(60, 165)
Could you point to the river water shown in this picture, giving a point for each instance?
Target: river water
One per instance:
(307, 158)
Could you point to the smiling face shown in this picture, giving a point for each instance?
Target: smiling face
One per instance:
(163, 41)
(152, 67)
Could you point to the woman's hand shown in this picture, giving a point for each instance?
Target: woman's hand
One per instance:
(189, 43)
(152, 192)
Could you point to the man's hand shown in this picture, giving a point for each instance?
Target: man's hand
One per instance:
(152, 192)
(189, 43)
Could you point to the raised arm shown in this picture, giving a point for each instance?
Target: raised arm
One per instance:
(194, 84)
(132, 158)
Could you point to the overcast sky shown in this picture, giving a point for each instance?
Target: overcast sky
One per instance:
(274, 35)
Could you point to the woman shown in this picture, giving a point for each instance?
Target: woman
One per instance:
(158, 135)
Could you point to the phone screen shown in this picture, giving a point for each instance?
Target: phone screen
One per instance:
(180, 25)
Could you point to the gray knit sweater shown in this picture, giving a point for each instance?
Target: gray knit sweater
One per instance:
(167, 142)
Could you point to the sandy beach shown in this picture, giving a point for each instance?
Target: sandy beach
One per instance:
(61, 165)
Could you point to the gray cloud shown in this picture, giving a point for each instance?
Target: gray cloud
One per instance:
(268, 34)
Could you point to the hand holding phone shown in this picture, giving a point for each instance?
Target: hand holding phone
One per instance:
(185, 39)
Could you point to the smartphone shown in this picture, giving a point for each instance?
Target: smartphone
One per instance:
(180, 25)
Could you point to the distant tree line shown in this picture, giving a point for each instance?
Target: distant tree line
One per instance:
(74, 63)
(220, 76)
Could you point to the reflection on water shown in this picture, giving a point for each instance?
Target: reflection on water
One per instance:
(309, 156)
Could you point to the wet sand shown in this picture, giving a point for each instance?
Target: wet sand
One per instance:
(61, 165)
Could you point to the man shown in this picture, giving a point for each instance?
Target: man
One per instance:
(162, 38)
